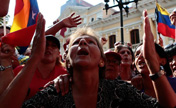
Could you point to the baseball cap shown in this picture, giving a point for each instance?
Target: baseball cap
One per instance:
(112, 53)
(53, 39)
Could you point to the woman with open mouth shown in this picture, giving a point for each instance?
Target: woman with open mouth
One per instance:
(85, 62)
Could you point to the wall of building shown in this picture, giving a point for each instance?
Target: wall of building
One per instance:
(109, 24)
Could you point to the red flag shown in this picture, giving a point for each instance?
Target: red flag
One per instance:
(21, 37)
(24, 23)
(62, 32)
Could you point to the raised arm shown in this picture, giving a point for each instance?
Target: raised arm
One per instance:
(164, 93)
(6, 71)
(69, 22)
(17, 89)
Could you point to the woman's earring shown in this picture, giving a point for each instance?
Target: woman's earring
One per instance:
(68, 66)
(101, 64)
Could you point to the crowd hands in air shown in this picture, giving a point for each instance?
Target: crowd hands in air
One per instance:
(86, 76)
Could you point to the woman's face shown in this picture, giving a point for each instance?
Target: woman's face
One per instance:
(84, 52)
(173, 65)
(126, 56)
(140, 62)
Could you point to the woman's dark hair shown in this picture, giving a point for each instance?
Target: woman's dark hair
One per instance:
(162, 54)
(170, 49)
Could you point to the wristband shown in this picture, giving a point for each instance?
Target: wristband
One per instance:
(2, 68)
(158, 74)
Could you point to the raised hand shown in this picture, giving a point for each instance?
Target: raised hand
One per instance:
(173, 17)
(71, 21)
(117, 44)
(160, 41)
(149, 51)
(103, 40)
(39, 43)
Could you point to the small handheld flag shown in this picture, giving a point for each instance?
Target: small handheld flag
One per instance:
(164, 24)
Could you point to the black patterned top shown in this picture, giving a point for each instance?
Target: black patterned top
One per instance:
(111, 94)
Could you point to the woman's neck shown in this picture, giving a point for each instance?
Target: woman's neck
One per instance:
(125, 72)
(84, 79)
(85, 88)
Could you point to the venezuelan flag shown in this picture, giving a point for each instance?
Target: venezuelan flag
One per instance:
(164, 24)
(24, 24)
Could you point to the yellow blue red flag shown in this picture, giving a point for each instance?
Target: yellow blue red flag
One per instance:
(24, 24)
(164, 24)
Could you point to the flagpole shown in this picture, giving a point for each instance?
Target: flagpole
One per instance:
(175, 32)
(175, 26)
(4, 25)
(158, 36)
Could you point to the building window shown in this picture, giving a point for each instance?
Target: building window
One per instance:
(85, 20)
(99, 16)
(112, 40)
(135, 36)
(92, 19)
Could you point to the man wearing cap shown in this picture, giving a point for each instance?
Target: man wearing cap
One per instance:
(48, 68)
(112, 65)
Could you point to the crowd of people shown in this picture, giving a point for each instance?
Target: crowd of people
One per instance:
(86, 76)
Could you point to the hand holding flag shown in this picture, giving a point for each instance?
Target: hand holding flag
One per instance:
(160, 41)
(173, 17)
(173, 20)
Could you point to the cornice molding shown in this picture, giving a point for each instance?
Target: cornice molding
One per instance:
(133, 12)
(113, 19)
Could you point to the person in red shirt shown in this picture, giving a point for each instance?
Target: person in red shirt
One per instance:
(49, 67)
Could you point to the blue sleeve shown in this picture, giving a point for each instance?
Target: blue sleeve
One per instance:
(172, 82)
